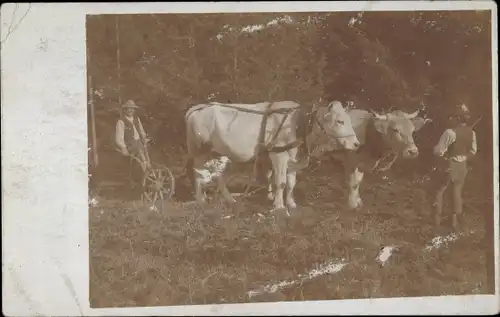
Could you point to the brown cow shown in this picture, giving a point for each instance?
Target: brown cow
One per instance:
(381, 137)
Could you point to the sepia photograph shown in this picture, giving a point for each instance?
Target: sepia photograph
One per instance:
(266, 157)
(250, 158)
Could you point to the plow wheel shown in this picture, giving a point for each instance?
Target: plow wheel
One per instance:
(158, 185)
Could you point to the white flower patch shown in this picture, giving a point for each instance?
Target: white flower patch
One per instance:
(438, 242)
(355, 20)
(327, 268)
(286, 19)
(272, 288)
(252, 28)
(99, 92)
(255, 27)
(93, 202)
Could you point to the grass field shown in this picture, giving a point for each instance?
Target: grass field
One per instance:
(180, 254)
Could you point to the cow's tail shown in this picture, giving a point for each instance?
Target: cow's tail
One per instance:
(193, 146)
(196, 148)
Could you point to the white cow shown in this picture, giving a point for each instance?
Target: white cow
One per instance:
(271, 133)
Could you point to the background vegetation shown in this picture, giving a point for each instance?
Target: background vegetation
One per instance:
(376, 60)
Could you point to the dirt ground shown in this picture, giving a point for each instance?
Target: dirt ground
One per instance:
(181, 254)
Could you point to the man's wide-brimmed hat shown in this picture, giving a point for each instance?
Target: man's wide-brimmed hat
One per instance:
(130, 104)
(460, 111)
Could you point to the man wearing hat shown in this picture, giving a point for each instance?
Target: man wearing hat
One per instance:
(130, 136)
(456, 146)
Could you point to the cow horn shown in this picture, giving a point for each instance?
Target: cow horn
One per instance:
(412, 115)
(378, 116)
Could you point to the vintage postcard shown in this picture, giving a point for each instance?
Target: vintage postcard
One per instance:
(278, 158)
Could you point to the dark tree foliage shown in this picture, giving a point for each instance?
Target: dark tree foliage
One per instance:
(378, 60)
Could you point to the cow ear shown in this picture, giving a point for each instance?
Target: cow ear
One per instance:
(381, 126)
(419, 122)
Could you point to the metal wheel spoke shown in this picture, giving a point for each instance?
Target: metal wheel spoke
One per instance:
(147, 180)
(159, 184)
(161, 177)
(147, 195)
(165, 190)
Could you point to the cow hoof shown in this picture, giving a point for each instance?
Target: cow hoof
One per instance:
(357, 205)
(278, 208)
(292, 204)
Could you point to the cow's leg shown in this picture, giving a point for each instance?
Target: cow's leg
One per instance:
(199, 191)
(270, 193)
(197, 157)
(199, 181)
(291, 180)
(222, 184)
(279, 161)
(354, 178)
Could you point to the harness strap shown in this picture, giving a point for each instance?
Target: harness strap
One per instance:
(268, 111)
(263, 125)
(329, 136)
(261, 146)
(376, 168)
(262, 133)
(271, 148)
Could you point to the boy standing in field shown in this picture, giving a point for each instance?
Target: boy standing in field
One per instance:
(456, 146)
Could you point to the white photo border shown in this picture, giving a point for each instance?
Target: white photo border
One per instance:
(44, 164)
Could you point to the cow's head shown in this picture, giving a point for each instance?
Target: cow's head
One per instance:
(337, 123)
(397, 129)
